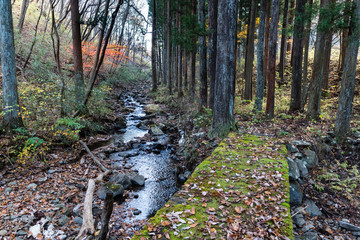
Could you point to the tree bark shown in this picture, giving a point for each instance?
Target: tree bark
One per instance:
(304, 83)
(295, 102)
(153, 47)
(11, 118)
(213, 15)
(225, 65)
(284, 33)
(290, 22)
(77, 54)
(106, 214)
(24, 7)
(168, 46)
(325, 80)
(193, 55)
(260, 57)
(270, 103)
(266, 48)
(249, 57)
(202, 56)
(342, 122)
(314, 111)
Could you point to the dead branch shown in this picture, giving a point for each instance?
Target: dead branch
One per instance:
(87, 229)
(95, 159)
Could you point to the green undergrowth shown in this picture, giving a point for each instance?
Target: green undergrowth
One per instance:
(239, 192)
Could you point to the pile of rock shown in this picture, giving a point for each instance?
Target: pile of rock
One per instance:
(118, 184)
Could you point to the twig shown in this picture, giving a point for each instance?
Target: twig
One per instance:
(96, 160)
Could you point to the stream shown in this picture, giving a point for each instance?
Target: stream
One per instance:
(151, 159)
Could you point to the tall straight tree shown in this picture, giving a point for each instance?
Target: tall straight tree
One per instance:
(342, 123)
(313, 111)
(249, 57)
(284, 33)
(225, 65)
(295, 102)
(153, 46)
(202, 56)
(193, 54)
(304, 83)
(270, 102)
(267, 34)
(77, 54)
(213, 15)
(24, 7)
(168, 46)
(12, 117)
(260, 57)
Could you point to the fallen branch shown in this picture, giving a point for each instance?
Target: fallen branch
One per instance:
(96, 160)
(87, 229)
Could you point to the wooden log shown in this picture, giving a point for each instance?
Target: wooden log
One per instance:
(106, 214)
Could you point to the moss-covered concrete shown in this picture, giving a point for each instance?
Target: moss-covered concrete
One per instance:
(239, 192)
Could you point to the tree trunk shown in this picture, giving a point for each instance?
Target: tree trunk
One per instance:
(342, 123)
(168, 43)
(266, 48)
(185, 70)
(77, 54)
(284, 33)
(260, 57)
(193, 55)
(304, 83)
(325, 80)
(344, 42)
(213, 15)
(202, 56)
(11, 118)
(313, 111)
(249, 57)
(153, 47)
(290, 22)
(225, 65)
(24, 7)
(270, 103)
(295, 102)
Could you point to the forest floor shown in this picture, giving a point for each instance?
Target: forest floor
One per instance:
(28, 195)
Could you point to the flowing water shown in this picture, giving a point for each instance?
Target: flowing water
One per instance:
(157, 168)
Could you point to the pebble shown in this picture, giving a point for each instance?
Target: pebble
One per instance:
(21, 233)
(31, 186)
(137, 212)
(8, 190)
(78, 221)
(3, 232)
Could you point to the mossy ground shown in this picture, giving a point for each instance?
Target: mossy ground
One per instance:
(239, 192)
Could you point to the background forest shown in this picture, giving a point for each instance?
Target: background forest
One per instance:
(280, 68)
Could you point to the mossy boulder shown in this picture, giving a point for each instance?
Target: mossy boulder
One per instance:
(152, 108)
(240, 192)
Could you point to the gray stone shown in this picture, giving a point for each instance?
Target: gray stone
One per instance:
(324, 150)
(312, 209)
(78, 221)
(156, 131)
(357, 134)
(302, 168)
(310, 236)
(137, 212)
(294, 172)
(298, 155)
(121, 179)
(299, 220)
(8, 190)
(63, 220)
(20, 233)
(356, 233)
(138, 180)
(291, 148)
(308, 226)
(152, 108)
(32, 186)
(296, 194)
(116, 189)
(3, 233)
(181, 178)
(310, 159)
(301, 143)
(349, 226)
(13, 183)
(51, 171)
(187, 174)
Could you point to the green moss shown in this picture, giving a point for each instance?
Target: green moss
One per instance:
(219, 191)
